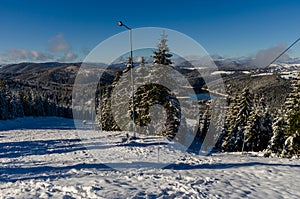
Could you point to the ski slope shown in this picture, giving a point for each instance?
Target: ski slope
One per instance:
(48, 157)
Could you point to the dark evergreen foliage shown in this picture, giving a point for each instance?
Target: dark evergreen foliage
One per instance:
(237, 120)
(162, 55)
(145, 96)
(28, 102)
(292, 142)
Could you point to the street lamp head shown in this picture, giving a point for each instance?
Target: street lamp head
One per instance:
(120, 23)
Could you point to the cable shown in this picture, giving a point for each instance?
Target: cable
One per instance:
(283, 52)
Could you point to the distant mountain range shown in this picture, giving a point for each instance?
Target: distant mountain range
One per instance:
(31, 67)
(57, 79)
(241, 63)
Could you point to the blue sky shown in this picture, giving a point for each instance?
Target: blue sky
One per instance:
(66, 30)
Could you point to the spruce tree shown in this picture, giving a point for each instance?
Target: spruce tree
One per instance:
(104, 116)
(146, 95)
(229, 126)
(276, 143)
(238, 115)
(162, 55)
(259, 127)
(3, 103)
(292, 142)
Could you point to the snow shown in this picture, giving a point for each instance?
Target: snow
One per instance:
(59, 161)
(222, 72)
(289, 75)
(246, 72)
(286, 65)
(261, 74)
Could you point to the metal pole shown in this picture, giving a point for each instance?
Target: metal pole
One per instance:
(132, 82)
(120, 23)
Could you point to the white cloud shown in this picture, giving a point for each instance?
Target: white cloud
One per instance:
(59, 50)
(266, 56)
(68, 56)
(58, 44)
(21, 55)
(24, 55)
(40, 56)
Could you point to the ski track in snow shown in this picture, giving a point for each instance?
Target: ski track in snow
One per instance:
(43, 163)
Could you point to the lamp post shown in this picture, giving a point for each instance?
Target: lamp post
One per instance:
(120, 23)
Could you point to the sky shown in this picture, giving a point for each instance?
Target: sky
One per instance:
(66, 31)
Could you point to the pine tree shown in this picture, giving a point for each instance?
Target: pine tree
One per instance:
(230, 120)
(146, 96)
(245, 107)
(292, 142)
(285, 141)
(238, 115)
(259, 127)
(276, 143)
(104, 116)
(158, 93)
(152, 94)
(19, 105)
(3, 105)
(27, 103)
(162, 55)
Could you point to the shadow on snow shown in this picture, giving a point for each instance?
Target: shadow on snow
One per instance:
(184, 166)
(39, 147)
(52, 172)
(45, 172)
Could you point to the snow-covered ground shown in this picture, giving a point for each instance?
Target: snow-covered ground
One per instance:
(261, 74)
(222, 72)
(289, 74)
(56, 160)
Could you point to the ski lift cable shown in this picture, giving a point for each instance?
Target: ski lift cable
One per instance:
(283, 52)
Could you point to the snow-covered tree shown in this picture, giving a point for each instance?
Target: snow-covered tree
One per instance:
(276, 143)
(162, 55)
(285, 141)
(229, 126)
(151, 94)
(3, 105)
(104, 116)
(292, 142)
(15, 107)
(238, 114)
(259, 128)
(146, 95)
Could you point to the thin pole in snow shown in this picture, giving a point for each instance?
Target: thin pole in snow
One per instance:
(243, 143)
(158, 151)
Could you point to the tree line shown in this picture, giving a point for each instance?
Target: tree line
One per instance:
(28, 102)
(251, 126)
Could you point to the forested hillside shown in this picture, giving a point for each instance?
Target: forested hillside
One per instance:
(262, 110)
